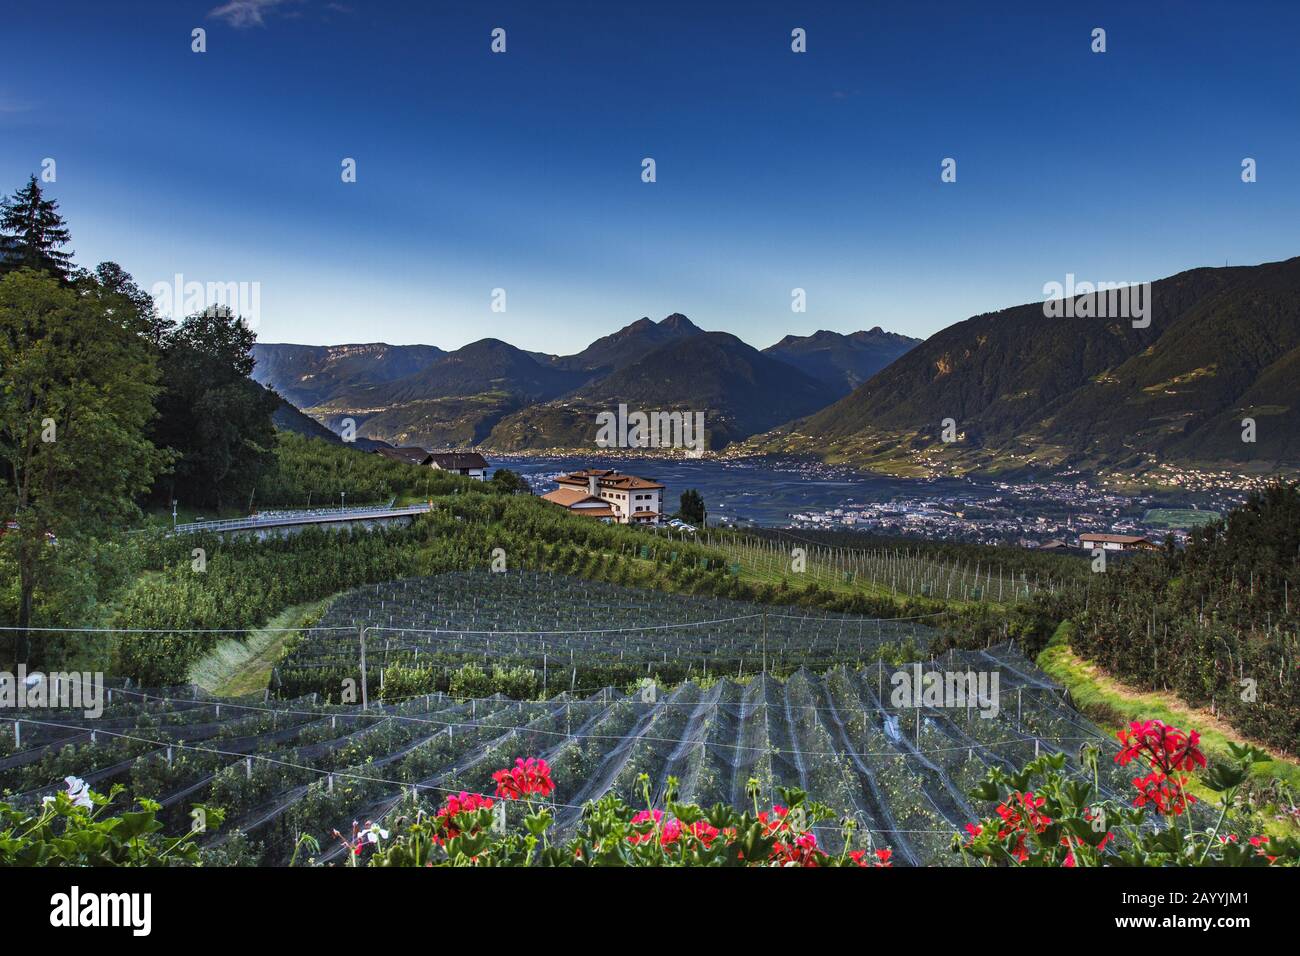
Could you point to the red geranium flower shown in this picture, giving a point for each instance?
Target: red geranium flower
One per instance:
(1258, 842)
(881, 858)
(776, 821)
(705, 832)
(802, 851)
(527, 777)
(1165, 747)
(1020, 813)
(670, 829)
(1165, 792)
(456, 805)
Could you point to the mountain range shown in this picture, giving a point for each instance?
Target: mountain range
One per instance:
(1027, 391)
(1213, 378)
(492, 394)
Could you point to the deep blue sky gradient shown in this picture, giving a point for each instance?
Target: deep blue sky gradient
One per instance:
(775, 170)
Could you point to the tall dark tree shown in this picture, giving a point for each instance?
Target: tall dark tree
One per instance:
(32, 233)
(211, 413)
(692, 507)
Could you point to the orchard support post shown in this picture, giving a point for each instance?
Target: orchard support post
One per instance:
(365, 692)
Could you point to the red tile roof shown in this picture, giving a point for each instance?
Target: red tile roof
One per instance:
(572, 498)
(609, 478)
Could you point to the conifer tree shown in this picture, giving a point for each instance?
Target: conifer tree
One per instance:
(32, 233)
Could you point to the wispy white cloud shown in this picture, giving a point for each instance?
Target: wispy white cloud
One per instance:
(247, 13)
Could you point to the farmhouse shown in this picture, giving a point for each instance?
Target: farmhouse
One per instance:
(411, 455)
(631, 500)
(470, 464)
(1117, 542)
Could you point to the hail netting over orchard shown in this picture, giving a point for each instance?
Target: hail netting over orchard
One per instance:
(283, 768)
(571, 634)
(771, 553)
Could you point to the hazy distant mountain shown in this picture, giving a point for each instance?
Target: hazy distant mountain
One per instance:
(453, 400)
(491, 391)
(843, 361)
(739, 389)
(286, 418)
(289, 419)
(1025, 390)
(488, 365)
(309, 374)
(449, 422)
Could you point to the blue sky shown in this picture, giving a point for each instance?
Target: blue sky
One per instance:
(775, 170)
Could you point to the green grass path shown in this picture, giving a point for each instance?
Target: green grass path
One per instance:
(234, 668)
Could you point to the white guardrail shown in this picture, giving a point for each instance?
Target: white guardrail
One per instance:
(308, 516)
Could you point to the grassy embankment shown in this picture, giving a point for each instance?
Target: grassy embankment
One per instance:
(234, 668)
(1111, 704)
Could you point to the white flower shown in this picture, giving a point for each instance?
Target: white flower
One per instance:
(374, 833)
(78, 792)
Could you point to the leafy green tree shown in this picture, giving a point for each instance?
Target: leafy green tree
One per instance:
(77, 397)
(32, 233)
(113, 278)
(509, 482)
(216, 419)
(692, 506)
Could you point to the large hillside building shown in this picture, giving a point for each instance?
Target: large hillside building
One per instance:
(630, 500)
